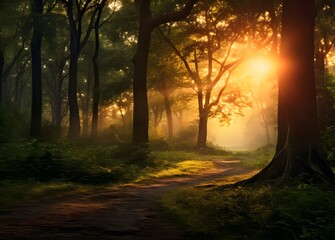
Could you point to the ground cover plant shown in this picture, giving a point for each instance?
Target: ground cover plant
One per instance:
(33, 169)
(217, 212)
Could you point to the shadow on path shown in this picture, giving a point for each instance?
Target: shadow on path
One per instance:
(122, 212)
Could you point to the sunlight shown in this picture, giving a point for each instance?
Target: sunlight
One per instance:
(261, 65)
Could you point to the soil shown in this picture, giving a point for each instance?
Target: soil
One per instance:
(124, 212)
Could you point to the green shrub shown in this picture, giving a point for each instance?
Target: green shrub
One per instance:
(303, 212)
(66, 162)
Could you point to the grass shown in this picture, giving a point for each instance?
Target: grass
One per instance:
(183, 168)
(16, 192)
(34, 170)
(303, 212)
(257, 158)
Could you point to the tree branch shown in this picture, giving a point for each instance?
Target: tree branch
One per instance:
(178, 53)
(174, 16)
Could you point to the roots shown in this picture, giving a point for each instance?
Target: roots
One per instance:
(288, 168)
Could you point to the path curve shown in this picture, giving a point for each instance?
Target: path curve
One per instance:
(129, 212)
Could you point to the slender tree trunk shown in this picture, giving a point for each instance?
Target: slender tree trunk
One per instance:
(86, 100)
(297, 155)
(2, 64)
(36, 43)
(265, 122)
(168, 112)
(58, 101)
(267, 131)
(96, 87)
(141, 109)
(56, 111)
(74, 127)
(19, 86)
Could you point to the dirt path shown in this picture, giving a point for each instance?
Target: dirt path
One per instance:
(124, 212)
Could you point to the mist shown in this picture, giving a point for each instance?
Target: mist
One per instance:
(246, 133)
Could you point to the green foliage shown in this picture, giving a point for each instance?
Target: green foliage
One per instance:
(66, 162)
(12, 126)
(328, 143)
(186, 138)
(302, 212)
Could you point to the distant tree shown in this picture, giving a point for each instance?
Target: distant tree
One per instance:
(96, 71)
(13, 28)
(297, 154)
(324, 42)
(207, 54)
(165, 76)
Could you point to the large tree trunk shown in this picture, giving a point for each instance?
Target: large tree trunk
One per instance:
(36, 42)
(141, 109)
(297, 155)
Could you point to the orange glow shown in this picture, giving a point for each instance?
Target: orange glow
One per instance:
(261, 65)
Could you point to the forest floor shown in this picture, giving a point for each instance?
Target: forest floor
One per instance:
(122, 212)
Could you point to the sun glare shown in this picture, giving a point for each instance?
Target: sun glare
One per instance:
(261, 65)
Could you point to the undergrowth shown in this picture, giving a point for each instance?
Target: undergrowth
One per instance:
(25, 167)
(15, 192)
(302, 212)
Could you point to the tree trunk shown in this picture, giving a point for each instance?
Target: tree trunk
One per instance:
(2, 64)
(74, 127)
(147, 24)
(265, 122)
(297, 155)
(96, 87)
(19, 85)
(36, 43)
(56, 111)
(202, 131)
(168, 112)
(141, 109)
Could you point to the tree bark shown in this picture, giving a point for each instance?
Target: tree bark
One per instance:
(202, 131)
(2, 64)
(141, 112)
(20, 84)
(297, 156)
(75, 19)
(36, 43)
(96, 87)
(74, 127)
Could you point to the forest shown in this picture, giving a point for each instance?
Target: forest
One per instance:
(174, 119)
